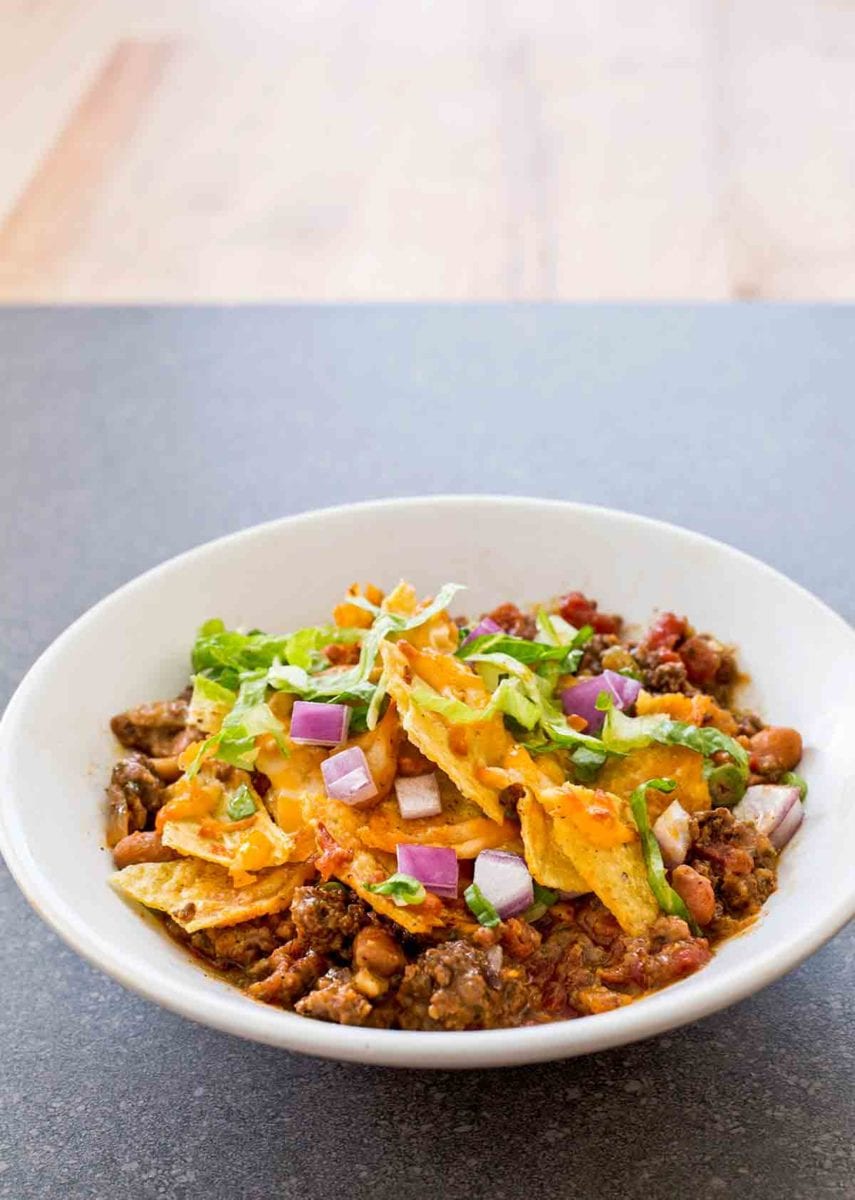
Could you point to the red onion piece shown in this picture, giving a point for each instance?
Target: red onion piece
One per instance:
(782, 834)
(418, 796)
(348, 778)
(434, 866)
(314, 724)
(487, 625)
(766, 806)
(505, 881)
(673, 834)
(581, 699)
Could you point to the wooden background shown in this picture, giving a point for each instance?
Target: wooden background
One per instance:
(388, 149)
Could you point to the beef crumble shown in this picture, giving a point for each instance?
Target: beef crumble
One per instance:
(160, 730)
(739, 862)
(135, 793)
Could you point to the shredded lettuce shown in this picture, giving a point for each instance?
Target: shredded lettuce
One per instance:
(517, 693)
(294, 663)
(562, 656)
(666, 897)
(621, 734)
(303, 648)
(587, 762)
(210, 704)
(234, 742)
(227, 655)
(507, 699)
(352, 683)
(404, 889)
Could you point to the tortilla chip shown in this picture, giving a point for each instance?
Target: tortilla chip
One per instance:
(380, 747)
(546, 860)
(617, 874)
(694, 710)
(256, 843)
(368, 866)
(439, 632)
(460, 751)
(199, 895)
(623, 775)
(294, 781)
(461, 825)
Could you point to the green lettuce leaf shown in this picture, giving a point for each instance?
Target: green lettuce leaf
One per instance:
(563, 656)
(234, 742)
(210, 704)
(666, 897)
(352, 683)
(622, 734)
(507, 699)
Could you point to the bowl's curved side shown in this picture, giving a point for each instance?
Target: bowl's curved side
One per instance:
(52, 770)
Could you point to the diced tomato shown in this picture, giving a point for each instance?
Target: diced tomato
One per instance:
(666, 631)
(579, 610)
(702, 661)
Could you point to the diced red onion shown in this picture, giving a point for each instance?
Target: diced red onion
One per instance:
(314, 724)
(581, 699)
(673, 834)
(487, 625)
(505, 881)
(434, 866)
(780, 836)
(418, 796)
(347, 777)
(766, 806)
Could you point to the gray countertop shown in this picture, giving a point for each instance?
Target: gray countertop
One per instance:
(130, 435)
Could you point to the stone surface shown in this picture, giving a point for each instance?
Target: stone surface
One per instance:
(130, 435)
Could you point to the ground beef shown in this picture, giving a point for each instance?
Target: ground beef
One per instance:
(747, 724)
(662, 670)
(709, 665)
(326, 918)
(591, 662)
(293, 974)
(513, 621)
(740, 863)
(519, 938)
(457, 986)
(586, 963)
(160, 730)
(134, 795)
(244, 946)
(336, 999)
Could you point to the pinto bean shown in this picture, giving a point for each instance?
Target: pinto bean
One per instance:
(775, 750)
(696, 892)
(142, 848)
(375, 950)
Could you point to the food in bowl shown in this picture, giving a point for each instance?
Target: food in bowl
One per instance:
(402, 819)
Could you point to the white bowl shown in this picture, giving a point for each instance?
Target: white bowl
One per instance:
(56, 749)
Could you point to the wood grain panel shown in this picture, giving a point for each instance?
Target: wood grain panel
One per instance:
(49, 221)
(379, 150)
